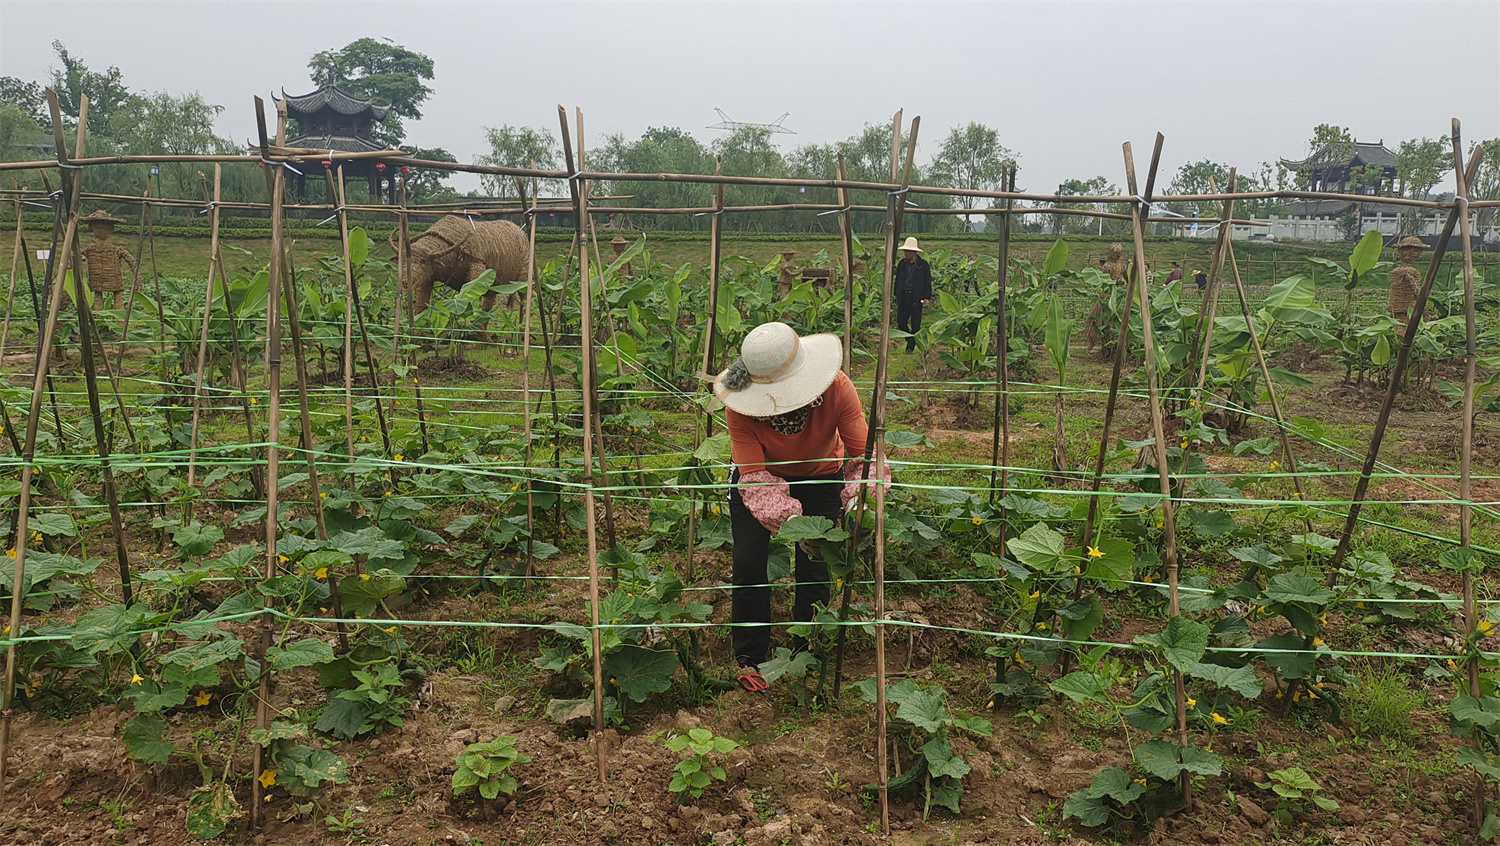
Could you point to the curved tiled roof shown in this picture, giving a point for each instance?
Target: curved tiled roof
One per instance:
(332, 97)
(340, 143)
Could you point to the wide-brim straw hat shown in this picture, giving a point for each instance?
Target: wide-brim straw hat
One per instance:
(910, 244)
(779, 371)
(99, 216)
(1411, 241)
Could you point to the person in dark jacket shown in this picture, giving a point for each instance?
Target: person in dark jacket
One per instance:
(913, 288)
(1175, 274)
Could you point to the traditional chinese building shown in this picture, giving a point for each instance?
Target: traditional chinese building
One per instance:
(332, 119)
(1368, 169)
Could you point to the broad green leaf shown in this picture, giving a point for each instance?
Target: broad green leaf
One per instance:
(210, 809)
(362, 592)
(639, 672)
(713, 449)
(359, 247)
(342, 718)
(1166, 760)
(1058, 335)
(1116, 783)
(900, 438)
(1089, 810)
(1289, 659)
(924, 709)
(784, 664)
(145, 738)
(1380, 356)
(1041, 548)
(1241, 680)
(941, 761)
(197, 539)
(1365, 254)
(803, 527)
(1294, 587)
(1183, 642)
(52, 523)
(302, 653)
(1082, 686)
(1057, 259)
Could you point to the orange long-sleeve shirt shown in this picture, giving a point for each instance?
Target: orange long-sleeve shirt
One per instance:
(834, 429)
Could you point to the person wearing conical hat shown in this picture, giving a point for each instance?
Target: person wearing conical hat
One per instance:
(913, 290)
(104, 259)
(797, 436)
(1406, 280)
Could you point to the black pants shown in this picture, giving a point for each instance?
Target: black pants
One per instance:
(751, 597)
(909, 319)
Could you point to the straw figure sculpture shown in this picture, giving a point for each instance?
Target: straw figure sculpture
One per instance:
(1406, 280)
(104, 259)
(1093, 326)
(455, 250)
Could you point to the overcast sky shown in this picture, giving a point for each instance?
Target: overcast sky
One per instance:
(1064, 82)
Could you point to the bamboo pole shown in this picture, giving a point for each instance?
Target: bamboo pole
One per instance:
(348, 315)
(1158, 431)
(1002, 365)
(401, 270)
(135, 283)
(364, 334)
(15, 267)
(715, 258)
(586, 331)
(591, 374)
(526, 379)
(895, 204)
(846, 238)
(208, 305)
(1466, 457)
(273, 435)
(33, 417)
(1203, 333)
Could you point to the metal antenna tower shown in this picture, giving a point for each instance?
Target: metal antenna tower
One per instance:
(727, 123)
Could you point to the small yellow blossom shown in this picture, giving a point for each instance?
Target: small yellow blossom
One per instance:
(1095, 553)
(267, 778)
(1451, 665)
(283, 559)
(1077, 569)
(1041, 625)
(136, 679)
(717, 510)
(1036, 594)
(1485, 627)
(252, 400)
(1275, 464)
(978, 521)
(1323, 618)
(322, 494)
(11, 552)
(1296, 495)
(1317, 641)
(1147, 579)
(203, 698)
(1191, 702)
(398, 456)
(1359, 605)
(1219, 718)
(1141, 782)
(322, 573)
(364, 577)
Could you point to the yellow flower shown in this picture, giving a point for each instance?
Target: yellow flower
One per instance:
(1095, 553)
(1323, 618)
(390, 630)
(1317, 641)
(283, 559)
(1219, 719)
(1161, 524)
(1451, 665)
(1275, 464)
(321, 574)
(203, 698)
(717, 510)
(978, 521)
(136, 679)
(1147, 579)
(1184, 443)
(322, 494)
(252, 400)
(364, 577)
(1191, 702)
(1077, 569)
(1041, 625)
(1359, 605)
(398, 456)
(1485, 627)
(1296, 495)
(1193, 404)
(11, 552)
(1141, 782)
(267, 778)
(1036, 594)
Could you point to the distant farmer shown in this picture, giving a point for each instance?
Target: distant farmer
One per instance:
(1201, 279)
(793, 418)
(1406, 280)
(913, 290)
(1175, 274)
(104, 259)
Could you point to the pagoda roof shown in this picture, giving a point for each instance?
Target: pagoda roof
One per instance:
(339, 143)
(1363, 154)
(335, 98)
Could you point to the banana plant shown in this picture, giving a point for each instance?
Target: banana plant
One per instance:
(1059, 337)
(1364, 259)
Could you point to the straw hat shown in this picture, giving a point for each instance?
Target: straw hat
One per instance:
(99, 216)
(778, 371)
(1411, 241)
(910, 244)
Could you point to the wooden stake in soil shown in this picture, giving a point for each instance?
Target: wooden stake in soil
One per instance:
(715, 237)
(1466, 457)
(526, 373)
(43, 363)
(364, 334)
(846, 233)
(587, 349)
(1158, 432)
(208, 307)
(135, 283)
(273, 430)
(15, 265)
(1002, 365)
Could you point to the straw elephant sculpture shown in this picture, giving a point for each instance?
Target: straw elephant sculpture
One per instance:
(455, 250)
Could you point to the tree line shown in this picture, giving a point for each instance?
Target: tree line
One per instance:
(122, 119)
